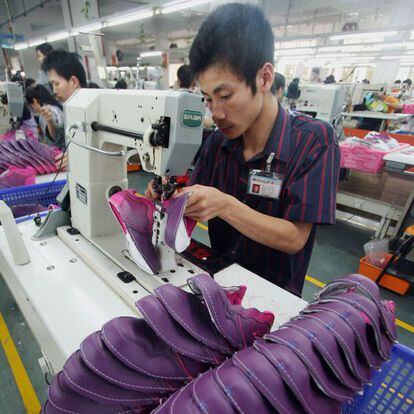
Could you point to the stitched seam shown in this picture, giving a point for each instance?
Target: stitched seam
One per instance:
(224, 333)
(228, 395)
(89, 363)
(260, 382)
(344, 344)
(293, 384)
(197, 335)
(363, 345)
(120, 400)
(315, 371)
(198, 402)
(167, 340)
(373, 321)
(107, 342)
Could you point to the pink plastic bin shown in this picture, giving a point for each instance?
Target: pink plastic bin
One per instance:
(363, 158)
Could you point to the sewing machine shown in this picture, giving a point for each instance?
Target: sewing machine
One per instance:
(321, 101)
(73, 279)
(11, 105)
(106, 127)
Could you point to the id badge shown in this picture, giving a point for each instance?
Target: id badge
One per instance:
(264, 184)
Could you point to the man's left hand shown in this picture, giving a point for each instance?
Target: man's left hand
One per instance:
(205, 203)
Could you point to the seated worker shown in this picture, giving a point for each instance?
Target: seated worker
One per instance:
(265, 178)
(50, 114)
(66, 74)
(278, 87)
(184, 78)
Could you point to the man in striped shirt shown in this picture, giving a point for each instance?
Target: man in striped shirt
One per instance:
(270, 234)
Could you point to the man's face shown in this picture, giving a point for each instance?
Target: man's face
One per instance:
(62, 88)
(233, 106)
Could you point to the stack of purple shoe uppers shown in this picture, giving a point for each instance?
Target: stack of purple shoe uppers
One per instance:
(312, 364)
(132, 365)
(28, 153)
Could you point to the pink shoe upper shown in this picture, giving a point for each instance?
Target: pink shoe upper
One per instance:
(135, 216)
(16, 177)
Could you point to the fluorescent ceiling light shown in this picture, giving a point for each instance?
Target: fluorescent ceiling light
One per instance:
(298, 51)
(396, 45)
(36, 42)
(21, 46)
(332, 55)
(342, 48)
(346, 36)
(392, 57)
(87, 28)
(149, 54)
(174, 6)
(57, 36)
(132, 17)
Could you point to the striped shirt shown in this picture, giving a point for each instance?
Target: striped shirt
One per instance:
(307, 154)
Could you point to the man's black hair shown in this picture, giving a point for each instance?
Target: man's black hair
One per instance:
(408, 82)
(42, 95)
(121, 84)
(29, 82)
(45, 48)
(93, 85)
(236, 36)
(279, 82)
(184, 76)
(66, 64)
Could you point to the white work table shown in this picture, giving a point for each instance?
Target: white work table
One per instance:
(377, 115)
(63, 300)
(46, 178)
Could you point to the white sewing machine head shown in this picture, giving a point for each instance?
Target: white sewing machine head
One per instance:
(11, 105)
(321, 101)
(105, 127)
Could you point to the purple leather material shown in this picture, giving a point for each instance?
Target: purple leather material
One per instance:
(136, 345)
(38, 154)
(86, 383)
(15, 177)
(371, 290)
(321, 374)
(370, 310)
(166, 406)
(30, 157)
(176, 221)
(345, 338)
(208, 396)
(63, 399)
(325, 343)
(242, 394)
(102, 362)
(26, 209)
(183, 403)
(355, 320)
(135, 216)
(166, 328)
(240, 326)
(294, 374)
(49, 409)
(192, 316)
(267, 380)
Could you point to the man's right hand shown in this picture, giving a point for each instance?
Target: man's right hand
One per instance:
(151, 193)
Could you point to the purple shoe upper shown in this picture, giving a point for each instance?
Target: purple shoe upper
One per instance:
(28, 153)
(312, 364)
(135, 216)
(15, 177)
(179, 228)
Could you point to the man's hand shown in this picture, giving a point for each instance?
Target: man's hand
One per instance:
(61, 162)
(205, 203)
(150, 193)
(46, 113)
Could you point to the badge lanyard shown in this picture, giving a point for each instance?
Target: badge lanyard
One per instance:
(265, 183)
